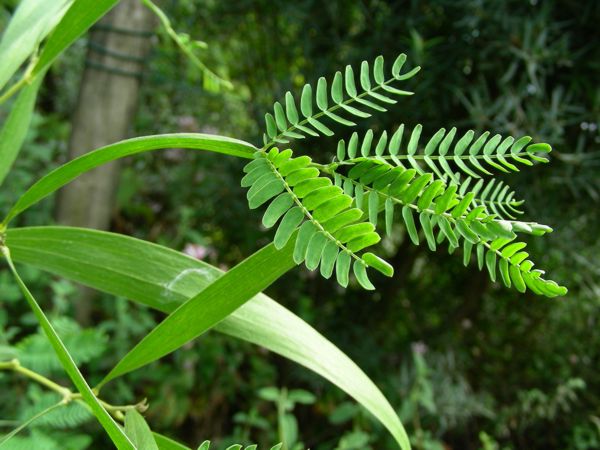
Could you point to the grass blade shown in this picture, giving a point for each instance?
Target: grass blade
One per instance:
(163, 279)
(30, 24)
(71, 170)
(114, 431)
(78, 19)
(209, 307)
(15, 128)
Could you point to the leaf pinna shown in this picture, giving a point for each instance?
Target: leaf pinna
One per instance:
(444, 154)
(339, 102)
(331, 231)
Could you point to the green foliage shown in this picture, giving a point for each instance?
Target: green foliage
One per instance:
(337, 220)
(138, 431)
(373, 93)
(170, 278)
(35, 352)
(438, 176)
(333, 232)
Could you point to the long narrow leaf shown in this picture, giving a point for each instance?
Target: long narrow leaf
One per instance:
(165, 443)
(30, 24)
(138, 430)
(71, 170)
(163, 279)
(15, 128)
(209, 307)
(114, 431)
(78, 19)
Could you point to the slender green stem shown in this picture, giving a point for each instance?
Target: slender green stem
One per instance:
(281, 401)
(13, 90)
(16, 366)
(166, 23)
(68, 396)
(29, 421)
(24, 80)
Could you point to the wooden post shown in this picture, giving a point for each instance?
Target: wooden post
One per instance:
(108, 97)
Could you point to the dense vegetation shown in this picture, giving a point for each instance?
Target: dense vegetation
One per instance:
(468, 363)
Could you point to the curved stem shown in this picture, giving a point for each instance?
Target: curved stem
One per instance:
(67, 395)
(29, 421)
(16, 366)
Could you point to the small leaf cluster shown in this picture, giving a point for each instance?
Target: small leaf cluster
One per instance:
(469, 155)
(343, 96)
(437, 190)
(331, 232)
(446, 214)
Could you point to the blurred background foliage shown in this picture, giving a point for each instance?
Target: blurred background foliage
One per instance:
(469, 365)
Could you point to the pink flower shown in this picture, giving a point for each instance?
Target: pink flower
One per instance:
(196, 251)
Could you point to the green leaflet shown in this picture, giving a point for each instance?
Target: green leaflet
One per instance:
(276, 209)
(283, 125)
(163, 279)
(116, 434)
(380, 264)
(71, 170)
(288, 225)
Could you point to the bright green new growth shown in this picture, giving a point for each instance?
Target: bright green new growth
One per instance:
(432, 189)
(286, 124)
(331, 231)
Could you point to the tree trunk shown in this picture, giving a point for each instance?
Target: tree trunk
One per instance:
(105, 109)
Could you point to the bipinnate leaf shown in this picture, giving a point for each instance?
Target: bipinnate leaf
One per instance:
(328, 223)
(346, 101)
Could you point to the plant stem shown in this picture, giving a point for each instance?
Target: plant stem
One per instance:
(30, 421)
(25, 79)
(16, 366)
(67, 395)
